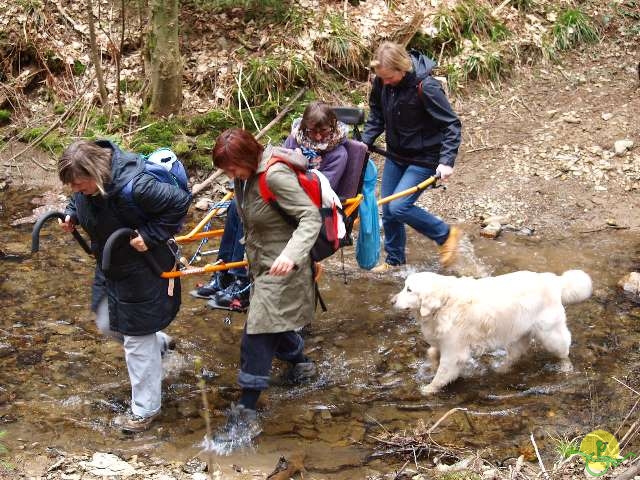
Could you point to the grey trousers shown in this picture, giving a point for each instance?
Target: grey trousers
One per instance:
(143, 355)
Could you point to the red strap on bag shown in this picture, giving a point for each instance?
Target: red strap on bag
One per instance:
(309, 182)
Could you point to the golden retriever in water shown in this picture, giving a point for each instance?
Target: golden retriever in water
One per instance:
(462, 316)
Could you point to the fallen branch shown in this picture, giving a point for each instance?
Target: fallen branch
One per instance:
(630, 473)
(500, 7)
(198, 187)
(41, 137)
(453, 410)
(487, 147)
(535, 447)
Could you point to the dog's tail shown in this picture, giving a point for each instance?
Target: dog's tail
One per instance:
(576, 286)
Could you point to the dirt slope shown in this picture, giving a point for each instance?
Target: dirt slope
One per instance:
(539, 150)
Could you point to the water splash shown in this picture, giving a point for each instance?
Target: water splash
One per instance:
(467, 263)
(239, 439)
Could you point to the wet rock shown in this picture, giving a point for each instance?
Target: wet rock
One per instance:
(28, 358)
(194, 465)
(6, 349)
(327, 459)
(621, 146)
(491, 231)
(630, 283)
(49, 202)
(499, 219)
(107, 464)
(203, 204)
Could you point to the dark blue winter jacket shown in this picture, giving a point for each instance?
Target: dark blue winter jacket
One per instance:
(421, 127)
(139, 300)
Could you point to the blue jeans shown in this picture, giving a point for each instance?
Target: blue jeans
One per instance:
(231, 250)
(395, 178)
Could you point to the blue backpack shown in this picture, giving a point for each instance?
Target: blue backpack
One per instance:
(164, 166)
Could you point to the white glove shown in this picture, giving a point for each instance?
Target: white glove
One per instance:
(445, 171)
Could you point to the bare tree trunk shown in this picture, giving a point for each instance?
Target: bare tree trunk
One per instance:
(119, 57)
(166, 62)
(95, 53)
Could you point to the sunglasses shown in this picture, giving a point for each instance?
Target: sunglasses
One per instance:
(321, 131)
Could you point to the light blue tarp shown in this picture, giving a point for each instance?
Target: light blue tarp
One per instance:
(368, 244)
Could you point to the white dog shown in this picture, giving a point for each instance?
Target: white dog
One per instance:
(461, 316)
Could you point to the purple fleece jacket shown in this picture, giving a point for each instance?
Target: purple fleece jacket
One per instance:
(333, 163)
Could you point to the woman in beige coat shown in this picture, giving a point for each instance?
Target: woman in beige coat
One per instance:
(282, 294)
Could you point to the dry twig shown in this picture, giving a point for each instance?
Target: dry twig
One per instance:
(198, 187)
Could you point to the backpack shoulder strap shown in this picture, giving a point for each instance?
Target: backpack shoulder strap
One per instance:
(421, 93)
(265, 192)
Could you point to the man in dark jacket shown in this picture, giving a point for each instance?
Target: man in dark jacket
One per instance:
(132, 304)
(422, 135)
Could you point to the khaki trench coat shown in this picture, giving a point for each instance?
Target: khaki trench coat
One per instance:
(278, 303)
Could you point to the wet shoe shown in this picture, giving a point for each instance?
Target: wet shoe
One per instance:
(303, 372)
(241, 427)
(167, 343)
(219, 281)
(449, 249)
(235, 295)
(131, 423)
(384, 268)
(298, 374)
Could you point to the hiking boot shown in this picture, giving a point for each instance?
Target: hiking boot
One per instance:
(449, 249)
(235, 295)
(241, 427)
(298, 374)
(384, 268)
(167, 343)
(219, 281)
(131, 423)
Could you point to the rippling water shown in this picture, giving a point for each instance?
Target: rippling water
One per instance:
(61, 383)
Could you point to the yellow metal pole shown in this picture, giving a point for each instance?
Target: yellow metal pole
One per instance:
(408, 191)
(189, 236)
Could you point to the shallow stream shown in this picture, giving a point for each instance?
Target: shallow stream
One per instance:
(61, 383)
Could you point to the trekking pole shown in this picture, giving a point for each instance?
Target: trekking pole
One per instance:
(127, 233)
(196, 233)
(418, 188)
(116, 237)
(35, 235)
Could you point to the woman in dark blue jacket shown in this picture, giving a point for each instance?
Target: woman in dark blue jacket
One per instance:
(422, 134)
(132, 304)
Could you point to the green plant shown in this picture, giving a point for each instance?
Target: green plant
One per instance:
(5, 116)
(474, 19)
(480, 63)
(157, 134)
(454, 77)
(341, 46)
(215, 120)
(3, 452)
(267, 78)
(571, 28)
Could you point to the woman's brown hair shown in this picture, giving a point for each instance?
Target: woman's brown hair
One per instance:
(318, 115)
(85, 159)
(237, 147)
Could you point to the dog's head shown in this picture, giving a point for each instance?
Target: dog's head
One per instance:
(424, 291)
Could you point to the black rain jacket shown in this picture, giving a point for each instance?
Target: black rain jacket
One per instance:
(140, 302)
(421, 127)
